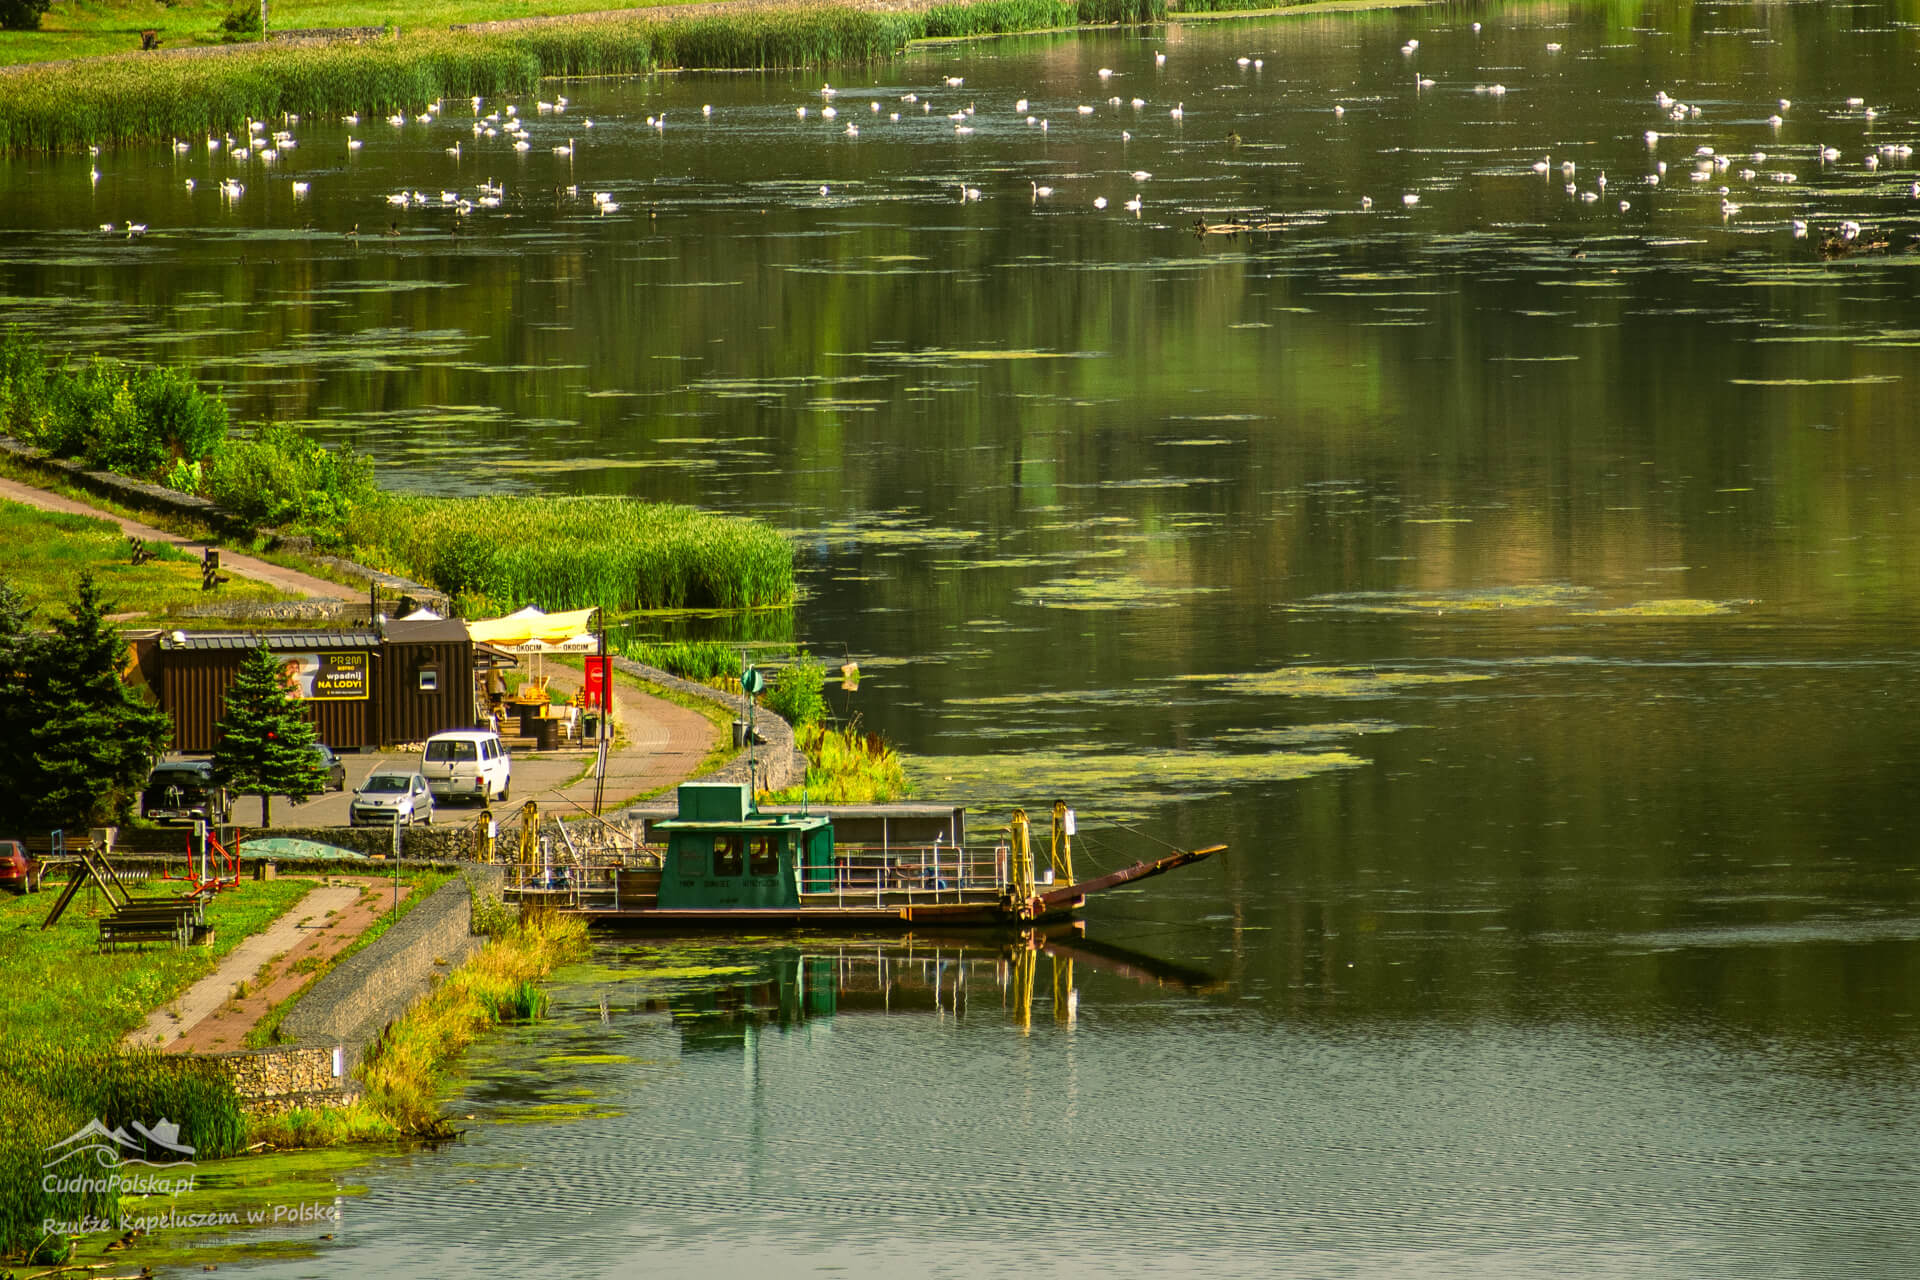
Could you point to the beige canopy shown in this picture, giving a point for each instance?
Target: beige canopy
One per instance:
(530, 625)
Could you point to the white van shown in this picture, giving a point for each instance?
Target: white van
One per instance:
(467, 764)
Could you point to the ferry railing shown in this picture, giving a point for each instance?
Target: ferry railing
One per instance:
(937, 872)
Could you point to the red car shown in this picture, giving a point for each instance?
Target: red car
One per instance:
(19, 870)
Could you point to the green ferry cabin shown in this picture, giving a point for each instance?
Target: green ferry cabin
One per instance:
(720, 852)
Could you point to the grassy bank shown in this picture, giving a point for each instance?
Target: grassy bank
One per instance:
(46, 552)
(564, 553)
(157, 98)
(66, 1006)
(157, 424)
(404, 1070)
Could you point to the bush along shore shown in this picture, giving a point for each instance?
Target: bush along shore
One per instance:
(66, 107)
(158, 424)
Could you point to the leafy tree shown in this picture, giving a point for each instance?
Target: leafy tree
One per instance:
(92, 741)
(266, 743)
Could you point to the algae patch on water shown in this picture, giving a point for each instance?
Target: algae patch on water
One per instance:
(1102, 591)
(1675, 608)
(1334, 682)
(1465, 600)
(1113, 778)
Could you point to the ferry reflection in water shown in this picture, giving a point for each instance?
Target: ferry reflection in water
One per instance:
(1019, 979)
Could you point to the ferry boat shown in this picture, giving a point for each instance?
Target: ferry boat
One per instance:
(717, 862)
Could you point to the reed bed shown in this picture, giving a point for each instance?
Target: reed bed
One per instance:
(572, 553)
(49, 1091)
(147, 99)
(846, 765)
(700, 660)
(402, 1070)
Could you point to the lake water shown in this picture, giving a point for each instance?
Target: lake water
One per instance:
(1523, 585)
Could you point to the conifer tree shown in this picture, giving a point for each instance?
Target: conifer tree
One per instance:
(93, 742)
(17, 641)
(265, 741)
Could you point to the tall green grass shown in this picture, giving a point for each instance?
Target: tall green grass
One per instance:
(571, 553)
(846, 766)
(48, 1092)
(59, 108)
(701, 660)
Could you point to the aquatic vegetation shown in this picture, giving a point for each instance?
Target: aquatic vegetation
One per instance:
(49, 1091)
(702, 660)
(1673, 608)
(1100, 591)
(846, 766)
(402, 1069)
(1115, 778)
(565, 553)
(1334, 682)
(1466, 600)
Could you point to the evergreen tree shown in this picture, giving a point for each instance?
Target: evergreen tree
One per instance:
(17, 713)
(93, 742)
(265, 741)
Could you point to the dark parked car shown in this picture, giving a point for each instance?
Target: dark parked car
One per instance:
(336, 771)
(185, 791)
(19, 870)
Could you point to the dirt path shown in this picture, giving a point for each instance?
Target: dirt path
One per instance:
(274, 964)
(245, 566)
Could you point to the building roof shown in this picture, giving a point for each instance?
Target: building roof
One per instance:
(428, 631)
(280, 640)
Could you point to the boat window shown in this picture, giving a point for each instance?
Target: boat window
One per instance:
(764, 856)
(726, 855)
(693, 858)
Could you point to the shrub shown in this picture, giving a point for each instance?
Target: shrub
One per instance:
(795, 695)
(279, 476)
(127, 418)
(242, 24)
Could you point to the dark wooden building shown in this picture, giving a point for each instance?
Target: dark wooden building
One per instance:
(401, 682)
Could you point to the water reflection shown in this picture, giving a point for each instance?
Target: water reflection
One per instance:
(1523, 587)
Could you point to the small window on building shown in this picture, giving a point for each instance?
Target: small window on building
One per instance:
(763, 856)
(693, 858)
(429, 679)
(726, 855)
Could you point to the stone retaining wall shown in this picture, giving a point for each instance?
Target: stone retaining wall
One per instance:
(351, 1006)
(137, 494)
(275, 1080)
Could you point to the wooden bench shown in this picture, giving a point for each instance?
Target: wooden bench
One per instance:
(181, 921)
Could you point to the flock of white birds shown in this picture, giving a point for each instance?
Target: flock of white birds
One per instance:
(501, 129)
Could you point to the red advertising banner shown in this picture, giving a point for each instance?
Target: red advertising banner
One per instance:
(597, 681)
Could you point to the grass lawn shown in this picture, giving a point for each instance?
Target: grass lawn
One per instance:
(84, 28)
(56, 985)
(43, 554)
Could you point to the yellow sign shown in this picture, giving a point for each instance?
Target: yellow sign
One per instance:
(325, 677)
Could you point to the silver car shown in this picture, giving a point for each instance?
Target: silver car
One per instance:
(389, 796)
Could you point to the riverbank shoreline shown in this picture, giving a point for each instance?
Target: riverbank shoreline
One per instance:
(61, 105)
